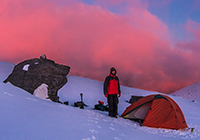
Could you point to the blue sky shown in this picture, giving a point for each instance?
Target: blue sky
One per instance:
(176, 13)
(169, 11)
(173, 13)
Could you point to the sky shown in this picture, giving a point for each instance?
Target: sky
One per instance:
(153, 44)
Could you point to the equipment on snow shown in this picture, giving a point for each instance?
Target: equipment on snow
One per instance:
(159, 111)
(80, 104)
(66, 102)
(101, 106)
(134, 99)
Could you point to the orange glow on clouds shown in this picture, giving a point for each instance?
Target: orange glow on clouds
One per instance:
(91, 39)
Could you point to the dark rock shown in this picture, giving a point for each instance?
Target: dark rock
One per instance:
(30, 74)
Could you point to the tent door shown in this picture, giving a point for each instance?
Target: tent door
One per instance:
(139, 113)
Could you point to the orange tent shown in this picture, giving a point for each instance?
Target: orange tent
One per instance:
(158, 111)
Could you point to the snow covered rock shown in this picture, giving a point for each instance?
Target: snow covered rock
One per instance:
(41, 91)
(30, 74)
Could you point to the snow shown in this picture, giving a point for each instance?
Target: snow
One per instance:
(25, 68)
(27, 117)
(191, 92)
(41, 91)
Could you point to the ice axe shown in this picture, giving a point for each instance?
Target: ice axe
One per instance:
(80, 104)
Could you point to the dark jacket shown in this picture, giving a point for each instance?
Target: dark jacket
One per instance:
(111, 85)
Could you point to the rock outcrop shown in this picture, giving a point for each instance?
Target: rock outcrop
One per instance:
(30, 74)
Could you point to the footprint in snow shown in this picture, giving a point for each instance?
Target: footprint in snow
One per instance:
(48, 104)
(63, 106)
(105, 120)
(98, 126)
(112, 128)
(93, 138)
(9, 94)
(31, 99)
(93, 131)
(96, 118)
(122, 134)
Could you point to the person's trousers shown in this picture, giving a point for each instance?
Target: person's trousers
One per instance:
(112, 104)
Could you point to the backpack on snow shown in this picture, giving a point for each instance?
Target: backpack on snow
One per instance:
(101, 106)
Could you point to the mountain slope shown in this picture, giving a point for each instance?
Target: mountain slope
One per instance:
(191, 92)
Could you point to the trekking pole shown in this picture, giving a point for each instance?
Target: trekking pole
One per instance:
(81, 101)
(81, 97)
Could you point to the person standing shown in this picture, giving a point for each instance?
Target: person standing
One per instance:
(112, 92)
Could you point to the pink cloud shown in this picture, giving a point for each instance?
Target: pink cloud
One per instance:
(196, 4)
(91, 39)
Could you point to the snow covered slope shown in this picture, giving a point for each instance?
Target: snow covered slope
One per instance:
(191, 92)
(27, 117)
